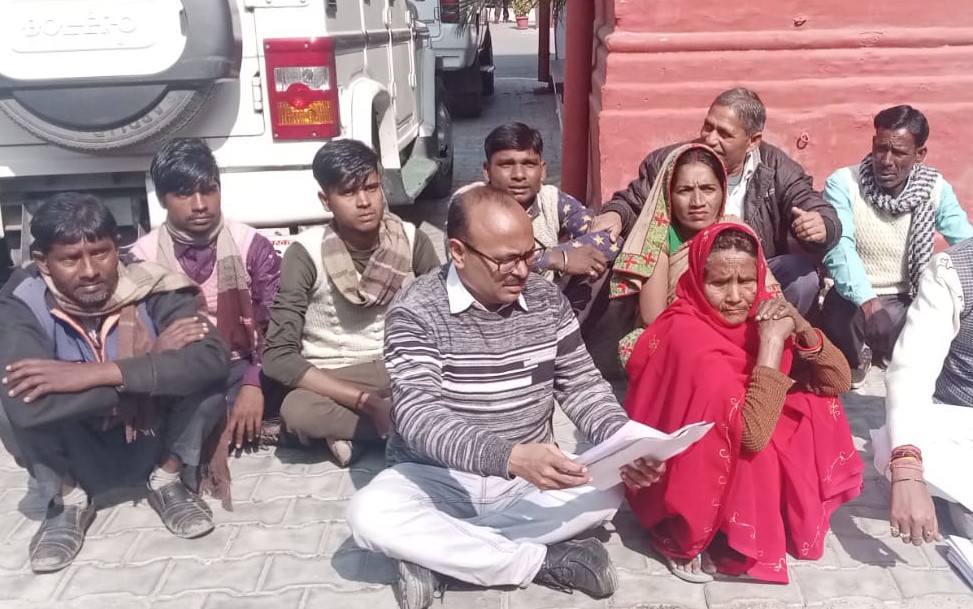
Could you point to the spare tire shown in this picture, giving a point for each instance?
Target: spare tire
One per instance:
(197, 44)
(167, 113)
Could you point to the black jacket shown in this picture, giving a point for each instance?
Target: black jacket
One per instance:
(778, 184)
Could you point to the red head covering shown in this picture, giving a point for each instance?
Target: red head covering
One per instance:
(691, 365)
(739, 342)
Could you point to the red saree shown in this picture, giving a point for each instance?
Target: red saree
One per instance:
(745, 509)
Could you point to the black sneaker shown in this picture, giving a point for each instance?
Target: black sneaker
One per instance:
(417, 586)
(579, 565)
(60, 537)
(181, 510)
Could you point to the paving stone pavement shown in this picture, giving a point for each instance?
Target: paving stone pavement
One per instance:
(286, 545)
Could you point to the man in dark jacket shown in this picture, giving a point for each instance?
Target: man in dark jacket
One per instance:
(107, 374)
(765, 187)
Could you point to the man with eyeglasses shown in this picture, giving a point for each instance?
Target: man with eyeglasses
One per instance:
(478, 356)
(575, 258)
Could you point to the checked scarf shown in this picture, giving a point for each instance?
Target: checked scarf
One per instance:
(917, 199)
(234, 303)
(386, 269)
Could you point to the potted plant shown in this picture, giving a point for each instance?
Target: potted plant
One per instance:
(521, 8)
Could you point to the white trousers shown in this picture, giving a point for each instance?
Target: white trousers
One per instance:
(486, 531)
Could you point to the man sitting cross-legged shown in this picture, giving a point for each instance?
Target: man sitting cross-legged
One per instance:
(324, 342)
(104, 388)
(237, 270)
(479, 353)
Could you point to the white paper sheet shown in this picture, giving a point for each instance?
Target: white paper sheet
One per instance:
(634, 441)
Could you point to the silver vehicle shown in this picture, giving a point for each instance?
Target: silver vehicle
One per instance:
(460, 35)
(90, 88)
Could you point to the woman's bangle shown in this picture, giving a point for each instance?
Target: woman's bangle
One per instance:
(564, 256)
(920, 480)
(907, 449)
(813, 348)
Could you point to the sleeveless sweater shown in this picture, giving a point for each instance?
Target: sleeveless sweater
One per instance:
(882, 239)
(147, 248)
(336, 332)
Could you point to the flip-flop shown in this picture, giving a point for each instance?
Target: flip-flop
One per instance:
(688, 576)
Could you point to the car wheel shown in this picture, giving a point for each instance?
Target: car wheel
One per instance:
(486, 78)
(487, 66)
(441, 185)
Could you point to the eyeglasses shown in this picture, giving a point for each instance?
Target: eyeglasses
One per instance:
(509, 265)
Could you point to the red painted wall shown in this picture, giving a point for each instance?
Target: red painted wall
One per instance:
(822, 70)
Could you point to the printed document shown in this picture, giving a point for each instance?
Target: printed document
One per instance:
(634, 441)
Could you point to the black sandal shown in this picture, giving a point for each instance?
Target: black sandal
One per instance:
(181, 510)
(60, 537)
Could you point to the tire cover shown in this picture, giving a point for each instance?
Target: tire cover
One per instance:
(172, 112)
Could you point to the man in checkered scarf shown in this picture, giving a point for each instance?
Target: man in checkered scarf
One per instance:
(890, 206)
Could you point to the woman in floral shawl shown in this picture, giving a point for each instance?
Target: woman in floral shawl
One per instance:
(689, 196)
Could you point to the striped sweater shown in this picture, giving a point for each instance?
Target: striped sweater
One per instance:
(467, 387)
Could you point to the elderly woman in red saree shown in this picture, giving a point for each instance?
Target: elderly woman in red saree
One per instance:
(690, 196)
(780, 458)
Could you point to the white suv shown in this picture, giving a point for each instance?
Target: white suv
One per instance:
(460, 33)
(90, 88)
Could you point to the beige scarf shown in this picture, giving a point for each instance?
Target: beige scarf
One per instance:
(136, 282)
(234, 303)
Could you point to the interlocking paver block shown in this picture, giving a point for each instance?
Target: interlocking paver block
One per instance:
(163, 545)
(190, 600)
(277, 485)
(237, 576)
(923, 582)
(13, 555)
(634, 590)
(853, 550)
(540, 597)
(865, 582)
(107, 549)
(338, 539)
(313, 509)
(263, 462)
(256, 539)
(96, 579)
(126, 517)
(731, 594)
(287, 600)
(366, 599)
(267, 513)
(26, 586)
(302, 571)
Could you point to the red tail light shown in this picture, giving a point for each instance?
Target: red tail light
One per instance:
(302, 88)
(449, 11)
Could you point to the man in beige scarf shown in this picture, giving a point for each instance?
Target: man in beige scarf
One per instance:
(236, 267)
(327, 325)
(105, 377)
